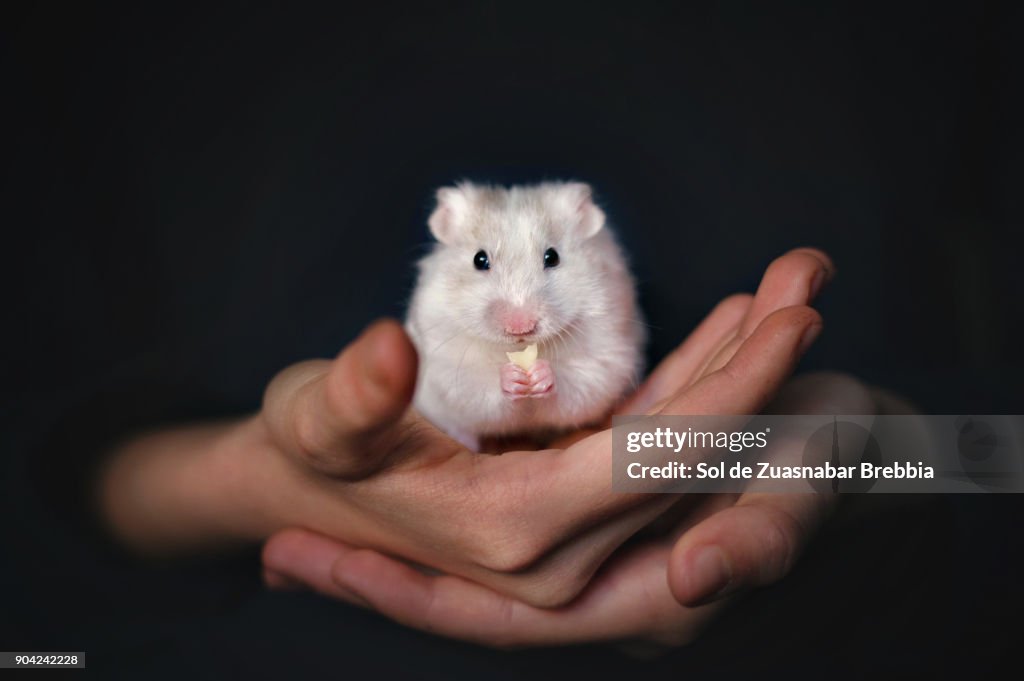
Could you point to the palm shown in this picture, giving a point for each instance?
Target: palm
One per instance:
(733, 363)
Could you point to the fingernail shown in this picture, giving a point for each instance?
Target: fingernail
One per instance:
(710, 574)
(817, 283)
(810, 335)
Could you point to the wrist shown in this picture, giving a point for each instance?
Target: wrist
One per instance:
(189, 488)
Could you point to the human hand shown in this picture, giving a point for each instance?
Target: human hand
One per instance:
(732, 364)
(663, 590)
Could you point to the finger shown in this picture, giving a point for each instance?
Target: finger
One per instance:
(794, 278)
(336, 414)
(757, 370)
(743, 386)
(678, 369)
(755, 542)
(629, 599)
(297, 557)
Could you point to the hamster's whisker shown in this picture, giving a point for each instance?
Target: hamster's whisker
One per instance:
(562, 338)
(445, 341)
(584, 316)
(567, 334)
(465, 316)
(560, 342)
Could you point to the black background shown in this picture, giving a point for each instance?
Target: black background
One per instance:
(193, 199)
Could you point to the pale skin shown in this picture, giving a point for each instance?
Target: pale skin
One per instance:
(344, 477)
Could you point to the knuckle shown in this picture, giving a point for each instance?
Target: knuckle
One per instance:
(350, 401)
(500, 550)
(552, 588)
(292, 378)
(561, 592)
(306, 435)
(501, 535)
(733, 371)
(280, 396)
(311, 448)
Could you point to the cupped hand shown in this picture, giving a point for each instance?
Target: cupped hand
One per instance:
(661, 590)
(530, 529)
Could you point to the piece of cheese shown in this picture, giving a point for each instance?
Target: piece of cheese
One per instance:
(525, 357)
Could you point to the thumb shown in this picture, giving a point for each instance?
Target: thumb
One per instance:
(753, 543)
(338, 415)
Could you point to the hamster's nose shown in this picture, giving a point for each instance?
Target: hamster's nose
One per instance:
(517, 321)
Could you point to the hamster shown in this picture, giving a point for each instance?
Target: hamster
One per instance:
(513, 267)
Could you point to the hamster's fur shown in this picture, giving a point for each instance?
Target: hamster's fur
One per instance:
(582, 312)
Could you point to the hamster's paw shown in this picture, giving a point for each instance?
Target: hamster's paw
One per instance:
(515, 382)
(542, 379)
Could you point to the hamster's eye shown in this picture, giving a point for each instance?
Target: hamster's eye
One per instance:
(481, 261)
(550, 258)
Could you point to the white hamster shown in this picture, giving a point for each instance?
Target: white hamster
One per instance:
(513, 267)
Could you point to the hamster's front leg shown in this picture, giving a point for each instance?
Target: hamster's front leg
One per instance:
(538, 381)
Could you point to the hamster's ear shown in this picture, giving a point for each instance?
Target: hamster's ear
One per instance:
(579, 198)
(453, 204)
